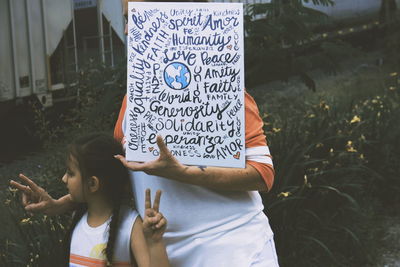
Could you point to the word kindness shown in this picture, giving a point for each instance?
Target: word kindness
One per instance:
(186, 82)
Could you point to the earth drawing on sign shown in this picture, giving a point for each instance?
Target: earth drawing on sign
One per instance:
(177, 76)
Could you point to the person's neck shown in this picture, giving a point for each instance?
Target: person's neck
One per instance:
(99, 211)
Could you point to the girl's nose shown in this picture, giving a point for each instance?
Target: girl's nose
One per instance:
(64, 179)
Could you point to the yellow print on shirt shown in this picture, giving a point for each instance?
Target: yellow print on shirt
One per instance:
(97, 251)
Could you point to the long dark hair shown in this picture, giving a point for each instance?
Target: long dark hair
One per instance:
(94, 155)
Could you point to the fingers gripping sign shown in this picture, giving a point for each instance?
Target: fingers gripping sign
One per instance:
(154, 223)
(166, 165)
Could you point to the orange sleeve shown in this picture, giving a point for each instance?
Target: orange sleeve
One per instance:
(255, 137)
(118, 133)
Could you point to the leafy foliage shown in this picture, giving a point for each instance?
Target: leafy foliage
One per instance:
(282, 42)
(331, 161)
(392, 43)
(28, 240)
(100, 93)
(97, 99)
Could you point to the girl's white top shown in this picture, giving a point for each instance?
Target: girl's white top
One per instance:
(88, 243)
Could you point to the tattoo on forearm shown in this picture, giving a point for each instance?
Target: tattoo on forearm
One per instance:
(203, 168)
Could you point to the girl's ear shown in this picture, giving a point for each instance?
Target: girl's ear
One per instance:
(94, 184)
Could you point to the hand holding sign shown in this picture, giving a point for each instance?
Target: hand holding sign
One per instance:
(166, 165)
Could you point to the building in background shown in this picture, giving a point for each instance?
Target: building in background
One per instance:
(44, 42)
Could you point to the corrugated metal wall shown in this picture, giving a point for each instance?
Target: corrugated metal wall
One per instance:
(30, 31)
(6, 67)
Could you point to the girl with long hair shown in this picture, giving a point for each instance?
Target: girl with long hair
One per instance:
(105, 229)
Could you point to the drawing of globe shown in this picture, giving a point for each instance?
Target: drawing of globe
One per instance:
(177, 75)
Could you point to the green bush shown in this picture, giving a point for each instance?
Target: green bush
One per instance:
(284, 39)
(32, 240)
(97, 98)
(331, 162)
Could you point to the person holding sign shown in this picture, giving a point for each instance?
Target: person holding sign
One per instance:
(215, 214)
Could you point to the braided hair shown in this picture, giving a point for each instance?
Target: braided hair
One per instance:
(94, 154)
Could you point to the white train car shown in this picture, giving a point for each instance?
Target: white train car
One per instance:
(41, 41)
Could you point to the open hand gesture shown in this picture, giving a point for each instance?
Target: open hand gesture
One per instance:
(166, 165)
(34, 198)
(154, 223)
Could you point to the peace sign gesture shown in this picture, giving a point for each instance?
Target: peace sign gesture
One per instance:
(34, 198)
(154, 223)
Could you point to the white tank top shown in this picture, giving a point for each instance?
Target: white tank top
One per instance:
(88, 243)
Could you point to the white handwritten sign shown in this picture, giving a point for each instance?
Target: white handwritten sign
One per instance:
(186, 82)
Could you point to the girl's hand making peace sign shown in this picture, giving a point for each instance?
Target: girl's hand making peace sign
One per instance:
(154, 223)
(34, 198)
